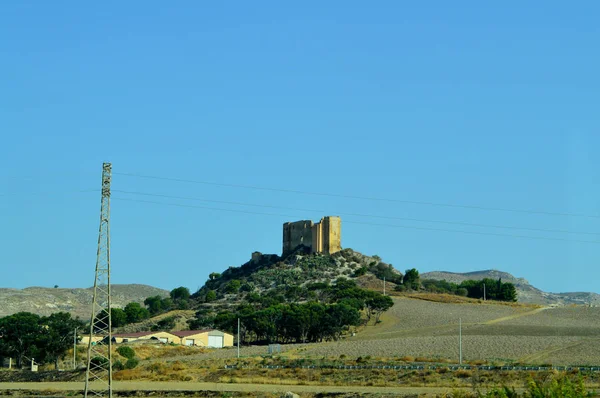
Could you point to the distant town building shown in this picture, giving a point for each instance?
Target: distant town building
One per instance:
(322, 237)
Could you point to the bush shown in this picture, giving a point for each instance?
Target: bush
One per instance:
(400, 288)
(126, 352)
(131, 363)
(99, 362)
(233, 286)
(118, 365)
(210, 296)
(461, 291)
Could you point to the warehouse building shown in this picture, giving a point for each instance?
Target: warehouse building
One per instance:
(210, 338)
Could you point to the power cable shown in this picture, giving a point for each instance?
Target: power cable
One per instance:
(361, 223)
(47, 193)
(334, 195)
(356, 214)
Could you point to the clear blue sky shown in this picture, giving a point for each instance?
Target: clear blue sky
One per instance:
(471, 103)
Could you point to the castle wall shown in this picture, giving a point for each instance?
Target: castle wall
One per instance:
(296, 234)
(322, 237)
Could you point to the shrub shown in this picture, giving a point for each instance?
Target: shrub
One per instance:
(126, 352)
(461, 291)
(99, 361)
(118, 365)
(131, 363)
(233, 286)
(211, 296)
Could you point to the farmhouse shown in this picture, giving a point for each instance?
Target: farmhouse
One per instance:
(205, 338)
(163, 337)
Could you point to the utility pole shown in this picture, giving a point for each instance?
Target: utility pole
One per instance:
(98, 374)
(484, 291)
(384, 285)
(459, 341)
(238, 345)
(75, 350)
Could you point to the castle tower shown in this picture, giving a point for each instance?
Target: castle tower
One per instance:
(296, 234)
(322, 237)
(327, 235)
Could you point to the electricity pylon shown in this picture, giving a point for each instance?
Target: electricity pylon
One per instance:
(98, 375)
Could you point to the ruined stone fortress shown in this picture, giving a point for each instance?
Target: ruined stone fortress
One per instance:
(322, 237)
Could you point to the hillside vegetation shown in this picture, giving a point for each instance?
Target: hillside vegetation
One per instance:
(300, 298)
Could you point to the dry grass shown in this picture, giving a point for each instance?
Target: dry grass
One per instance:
(454, 299)
(166, 351)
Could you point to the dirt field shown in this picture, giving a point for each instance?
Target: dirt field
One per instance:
(57, 387)
(494, 333)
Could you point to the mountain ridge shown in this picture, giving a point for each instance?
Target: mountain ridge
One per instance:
(77, 301)
(526, 292)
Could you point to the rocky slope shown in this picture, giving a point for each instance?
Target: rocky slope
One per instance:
(526, 292)
(77, 301)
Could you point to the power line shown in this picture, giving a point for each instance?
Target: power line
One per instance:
(47, 193)
(334, 195)
(363, 223)
(356, 214)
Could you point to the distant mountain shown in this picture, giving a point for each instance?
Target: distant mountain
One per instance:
(526, 292)
(77, 301)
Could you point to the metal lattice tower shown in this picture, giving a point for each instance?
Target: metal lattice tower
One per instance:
(98, 376)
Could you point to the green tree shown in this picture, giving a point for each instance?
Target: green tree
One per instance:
(508, 292)
(210, 296)
(233, 286)
(180, 293)
(57, 335)
(339, 317)
(136, 313)
(214, 275)
(154, 304)
(377, 304)
(411, 279)
(20, 333)
(118, 317)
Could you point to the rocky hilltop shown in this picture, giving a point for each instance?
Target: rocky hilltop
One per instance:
(77, 301)
(526, 292)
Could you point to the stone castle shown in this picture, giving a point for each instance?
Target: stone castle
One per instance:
(322, 237)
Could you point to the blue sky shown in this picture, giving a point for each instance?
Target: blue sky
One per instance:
(468, 103)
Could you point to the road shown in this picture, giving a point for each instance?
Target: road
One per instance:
(193, 386)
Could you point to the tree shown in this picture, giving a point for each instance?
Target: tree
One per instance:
(135, 312)
(180, 293)
(508, 292)
(118, 317)
(233, 286)
(20, 333)
(339, 317)
(214, 275)
(377, 304)
(57, 336)
(412, 280)
(154, 304)
(210, 296)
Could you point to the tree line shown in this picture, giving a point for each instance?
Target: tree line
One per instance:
(46, 339)
(271, 318)
(493, 289)
(154, 305)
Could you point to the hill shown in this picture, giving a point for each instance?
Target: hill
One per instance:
(526, 292)
(271, 274)
(77, 301)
